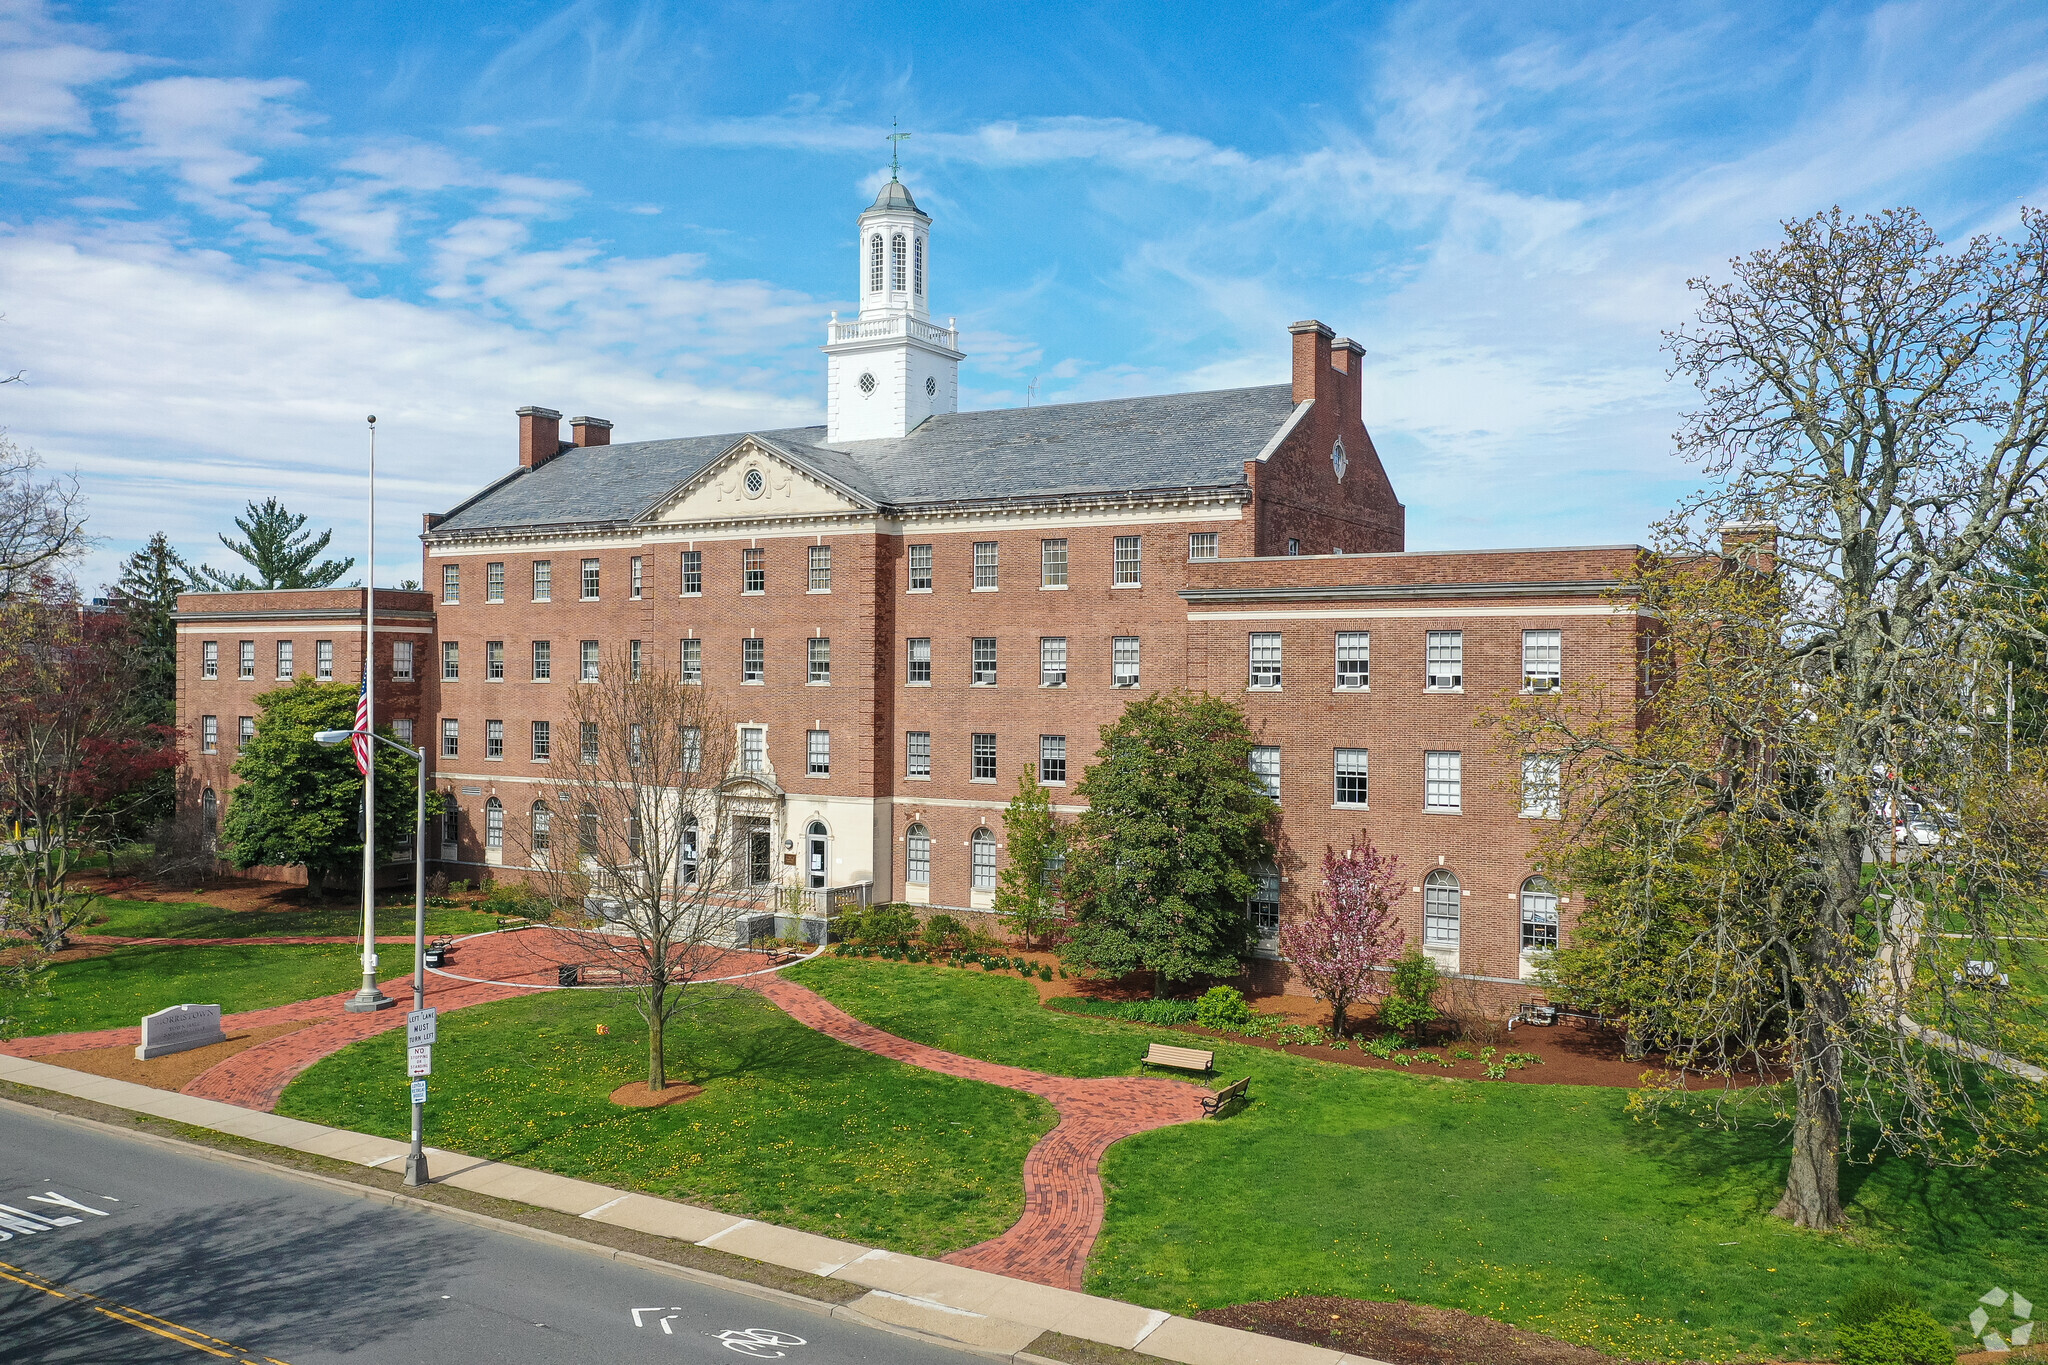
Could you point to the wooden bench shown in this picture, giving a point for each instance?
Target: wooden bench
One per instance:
(1236, 1090)
(1185, 1058)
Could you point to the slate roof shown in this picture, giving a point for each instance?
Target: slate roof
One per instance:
(1180, 440)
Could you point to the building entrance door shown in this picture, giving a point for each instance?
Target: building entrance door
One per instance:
(815, 864)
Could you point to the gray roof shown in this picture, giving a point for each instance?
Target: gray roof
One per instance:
(1180, 440)
(895, 195)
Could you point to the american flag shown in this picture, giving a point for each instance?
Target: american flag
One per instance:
(361, 743)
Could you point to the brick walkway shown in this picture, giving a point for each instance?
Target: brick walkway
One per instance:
(1062, 1177)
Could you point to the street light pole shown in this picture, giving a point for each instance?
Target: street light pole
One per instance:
(369, 998)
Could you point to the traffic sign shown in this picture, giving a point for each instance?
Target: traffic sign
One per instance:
(419, 1092)
(419, 1061)
(421, 1027)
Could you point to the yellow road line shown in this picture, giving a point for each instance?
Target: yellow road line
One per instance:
(132, 1317)
(182, 1341)
(32, 1285)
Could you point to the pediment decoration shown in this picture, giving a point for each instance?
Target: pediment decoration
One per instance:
(753, 479)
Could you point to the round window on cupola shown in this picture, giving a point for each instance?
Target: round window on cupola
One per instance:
(867, 383)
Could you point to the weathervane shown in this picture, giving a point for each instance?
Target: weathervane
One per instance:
(895, 146)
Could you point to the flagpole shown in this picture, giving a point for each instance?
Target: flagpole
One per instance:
(369, 998)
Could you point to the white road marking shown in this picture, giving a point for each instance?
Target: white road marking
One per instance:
(52, 1197)
(638, 1311)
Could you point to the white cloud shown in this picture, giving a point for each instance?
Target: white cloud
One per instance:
(43, 65)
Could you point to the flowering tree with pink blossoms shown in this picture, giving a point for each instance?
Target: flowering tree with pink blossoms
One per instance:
(1340, 948)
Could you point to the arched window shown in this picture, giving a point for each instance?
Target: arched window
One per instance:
(690, 854)
(541, 819)
(1539, 916)
(1264, 906)
(586, 828)
(917, 265)
(875, 264)
(209, 816)
(917, 857)
(1442, 905)
(494, 823)
(897, 261)
(983, 862)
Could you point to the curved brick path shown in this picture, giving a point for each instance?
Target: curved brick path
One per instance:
(1062, 1176)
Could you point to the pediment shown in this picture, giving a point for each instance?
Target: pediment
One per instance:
(754, 480)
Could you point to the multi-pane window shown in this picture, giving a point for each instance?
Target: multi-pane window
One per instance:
(401, 660)
(401, 728)
(1542, 660)
(1266, 766)
(1265, 658)
(1294, 545)
(917, 855)
(1052, 759)
(693, 661)
(984, 661)
(920, 662)
(1123, 661)
(693, 748)
(1351, 777)
(542, 818)
(636, 744)
(284, 658)
(1264, 906)
(818, 752)
(693, 573)
(1541, 797)
(590, 580)
(984, 758)
(1052, 563)
(543, 660)
(982, 859)
(494, 661)
(494, 739)
(635, 580)
(494, 582)
(1446, 653)
(588, 736)
(917, 753)
(1126, 563)
(753, 749)
(1443, 905)
(875, 264)
(984, 563)
(1052, 661)
(543, 740)
(543, 580)
(1201, 545)
(820, 660)
(451, 738)
(753, 571)
(587, 660)
(1354, 659)
(209, 734)
(245, 731)
(753, 660)
(323, 659)
(494, 823)
(451, 582)
(920, 568)
(451, 660)
(246, 663)
(632, 661)
(821, 568)
(209, 659)
(1443, 782)
(1539, 916)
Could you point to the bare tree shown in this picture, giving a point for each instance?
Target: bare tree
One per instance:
(1875, 412)
(638, 844)
(42, 520)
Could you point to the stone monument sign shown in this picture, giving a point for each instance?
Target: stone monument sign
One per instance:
(179, 1028)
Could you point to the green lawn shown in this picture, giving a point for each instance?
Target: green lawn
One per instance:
(792, 1126)
(119, 987)
(187, 919)
(1544, 1206)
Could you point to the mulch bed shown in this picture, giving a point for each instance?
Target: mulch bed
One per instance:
(636, 1095)
(173, 1071)
(1403, 1333)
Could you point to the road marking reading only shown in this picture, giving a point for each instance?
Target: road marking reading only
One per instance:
(28, 1222)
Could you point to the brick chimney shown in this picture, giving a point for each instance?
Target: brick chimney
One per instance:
(1750, 545)
(591, 431)
(429, 520)
(1347, 357)
(1311, 359)
(540, 436)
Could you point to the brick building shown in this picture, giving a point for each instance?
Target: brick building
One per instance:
(909, 606)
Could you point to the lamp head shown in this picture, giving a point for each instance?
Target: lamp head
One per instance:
(332, 737)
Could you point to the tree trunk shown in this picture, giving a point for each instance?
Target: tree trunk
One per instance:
(1813, 1193)
(657, 1062)
(1337, 1008)
(316, 882)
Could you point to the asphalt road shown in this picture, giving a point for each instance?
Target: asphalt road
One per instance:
(193, 1261)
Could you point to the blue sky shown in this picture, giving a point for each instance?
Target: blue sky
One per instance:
(228, 231)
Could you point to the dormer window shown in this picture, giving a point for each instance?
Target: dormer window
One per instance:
(875, 264)
(917, 265)
(898, 261)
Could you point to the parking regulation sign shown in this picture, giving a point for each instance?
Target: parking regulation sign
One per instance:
(419, 1061)
(419, 1092)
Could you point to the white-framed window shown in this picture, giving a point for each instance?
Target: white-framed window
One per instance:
(543, 660)
(693, 661)
(1443, 781)
(209, 734)
(494, 581)
(636, 581)
(590, 738)
(1541, 786)
(451, 582)
(1052, 661)
(1127, 562)
(1446, 661)
(246, 662)
(821, 568)
(494, 740)
(591, 580)
(632, 661)
(920, 674)
(494, 661)
(209, 659)
(984, 757)
(820, 660)
(691, 855)
(451, 660)
(451, 738)
(1265, 659)
(1294, 545)
(1443, 905)
(209, 816)
(1123, 661)
(1052, 760)
(917, 753)
(818, 752)
(753, 660)
(284, 658)
(543, 740)
(875, 264)
(543, 580)
(984, 564)
(899, 262)
(1542, 660)
(541, 819)
(1263, 909)
(693, 748)
(1266, 765)
(245, 731)
(753, 749)
(984, 661)
(920, 561)
(917, 265)
(401, 660)
(983, 859)
(753, 572)
(917, 856)
(401, 728)
(1351, 777)
(1354, 659)
(494, 823)
(693, 573)
(587, 660)
(1202, 545)
(1539, 916)
(1052, 563)
(636, 745)
(323, 660)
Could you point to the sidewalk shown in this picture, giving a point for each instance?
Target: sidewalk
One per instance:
(990, 1314)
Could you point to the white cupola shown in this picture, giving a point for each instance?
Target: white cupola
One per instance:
(890, 368)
